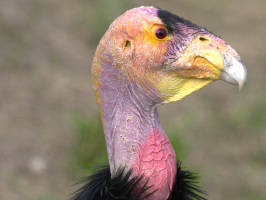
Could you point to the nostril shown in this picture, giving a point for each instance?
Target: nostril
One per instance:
(128, 44)
(203, 39)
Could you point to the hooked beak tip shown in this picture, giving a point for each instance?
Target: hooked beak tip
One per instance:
(234, 70)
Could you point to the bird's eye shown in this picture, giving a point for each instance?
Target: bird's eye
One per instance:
(160, 32)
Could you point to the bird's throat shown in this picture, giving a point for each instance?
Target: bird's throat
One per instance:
(157, 162)
(142, 147)
(134, 136)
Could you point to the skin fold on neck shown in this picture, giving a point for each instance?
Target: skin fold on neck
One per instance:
(133, 132)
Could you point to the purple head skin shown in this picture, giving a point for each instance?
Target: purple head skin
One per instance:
(133, 132)
(135, 70)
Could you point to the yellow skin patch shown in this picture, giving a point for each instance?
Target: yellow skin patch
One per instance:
(200, 64)
(138, 53)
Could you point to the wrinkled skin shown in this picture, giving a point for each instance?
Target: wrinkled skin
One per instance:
(134, 71)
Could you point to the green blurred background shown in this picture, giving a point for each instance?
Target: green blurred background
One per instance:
(49, 121)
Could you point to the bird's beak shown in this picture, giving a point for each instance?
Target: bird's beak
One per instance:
(209, 57)
(206, 59)
(234, 70)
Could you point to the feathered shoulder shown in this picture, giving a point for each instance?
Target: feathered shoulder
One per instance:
(100, 186)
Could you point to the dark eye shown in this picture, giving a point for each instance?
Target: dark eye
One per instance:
(160, 32)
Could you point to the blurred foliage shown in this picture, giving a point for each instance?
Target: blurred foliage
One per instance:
(90, 147)
(98, 16)
(251, 117)
(176, 133)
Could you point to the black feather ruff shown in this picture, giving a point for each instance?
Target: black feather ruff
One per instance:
(185, 187)
(100, 186)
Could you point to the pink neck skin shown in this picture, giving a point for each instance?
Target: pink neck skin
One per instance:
(133, 132)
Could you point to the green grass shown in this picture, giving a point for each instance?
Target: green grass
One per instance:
(176, 133)
(250, 119)
(90, 147)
